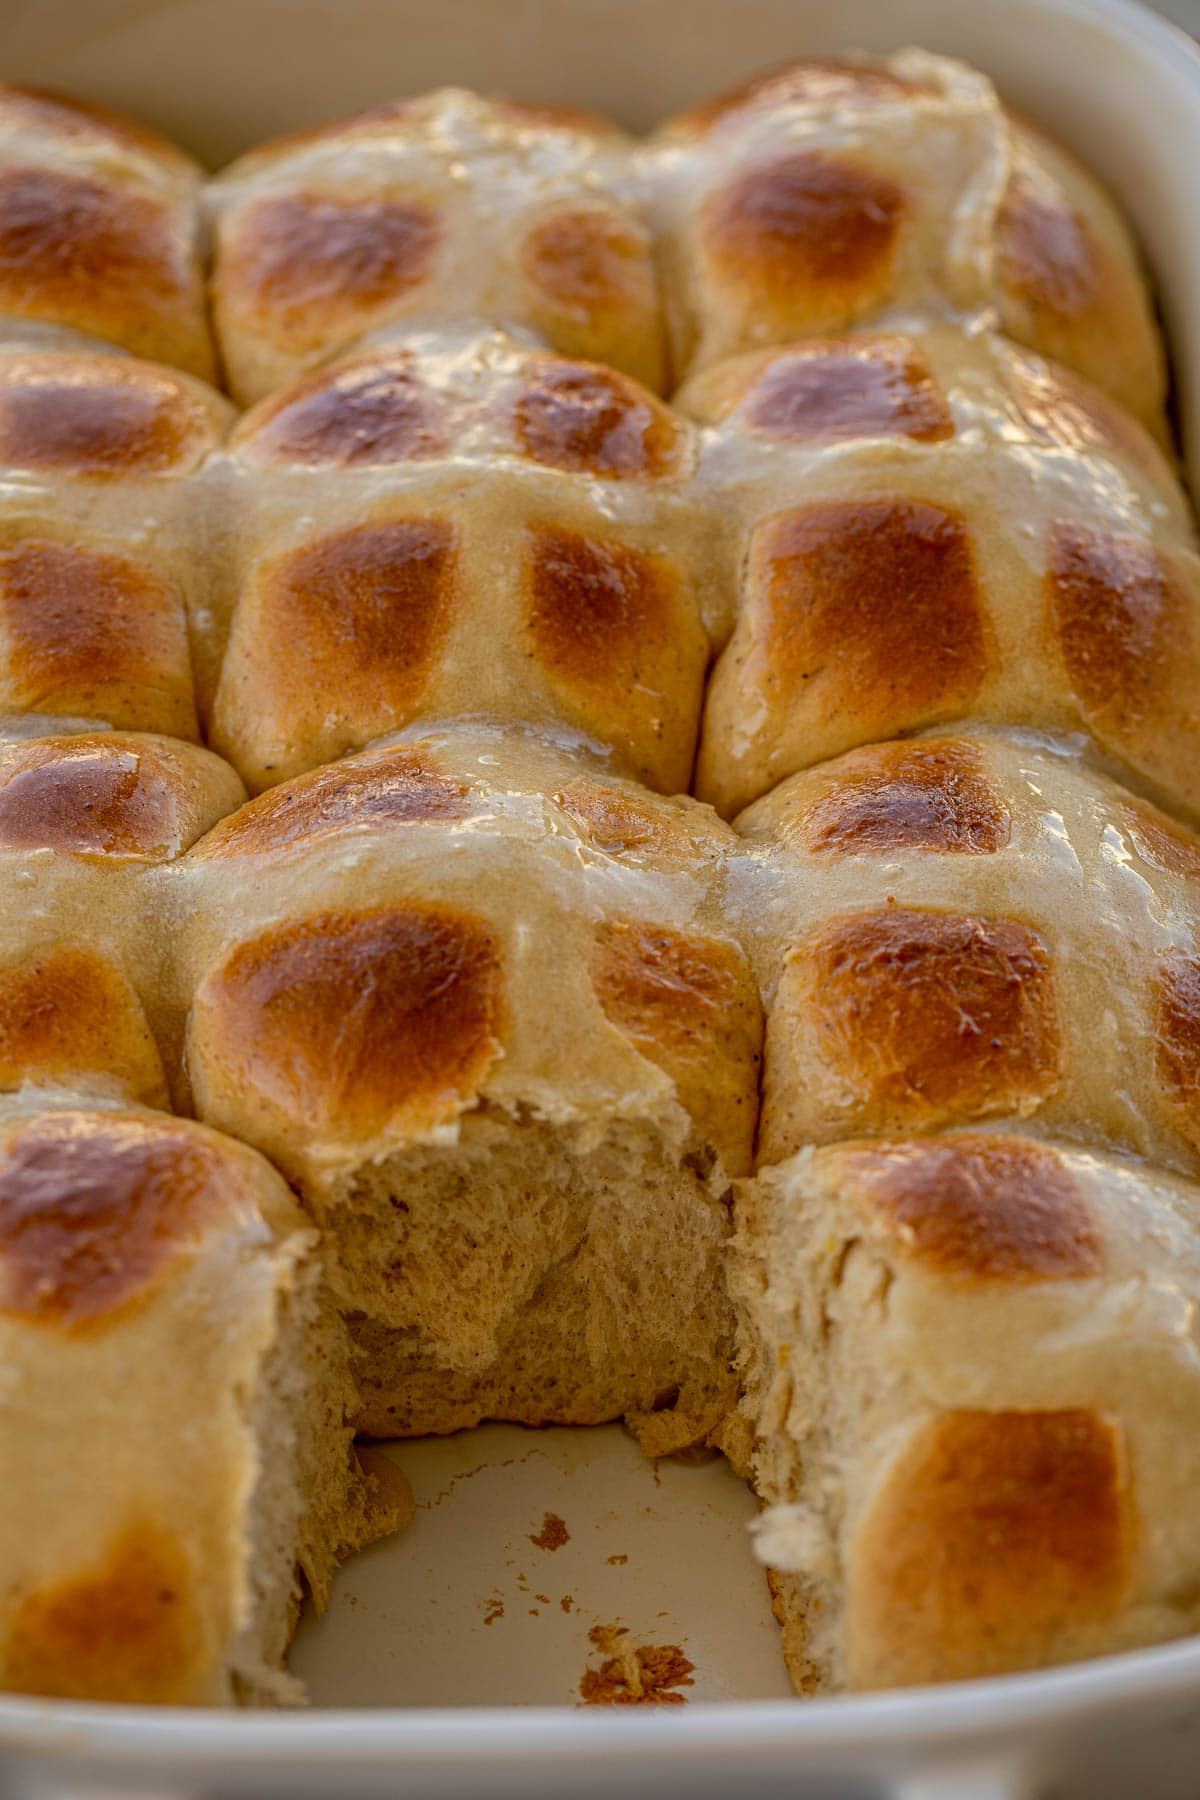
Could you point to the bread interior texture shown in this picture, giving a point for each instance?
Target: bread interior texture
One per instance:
(537, 1272)
(312, 1502)
(788, 1342)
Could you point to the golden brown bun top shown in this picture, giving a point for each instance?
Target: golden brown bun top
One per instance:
(919, 794)
(1069, 274)
(403, 904)
(120, 796)
(987, 1220)
(851, 82)
(96, 1207)
(977, 1207)
(463, 393)
(30, 114)
(929, 386)
(999, 1533)
(66, 413)
(491, 122)
(467, 775)
(460, 522)
(882, 587)
(991, 1226)
(99, 232)
(446, 206)
(954, 929)
(411, 996)
(828, 193)
(959, 794)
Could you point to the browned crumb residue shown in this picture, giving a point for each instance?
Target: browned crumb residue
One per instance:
(567, 1602)
(614, 1560)
(634, 1674)
(553, 1534)
(470, 1474)
(495, 1610)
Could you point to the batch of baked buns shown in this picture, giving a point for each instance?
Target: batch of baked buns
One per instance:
(526, 900)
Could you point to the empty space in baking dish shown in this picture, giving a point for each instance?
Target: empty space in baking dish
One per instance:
(527, 1552)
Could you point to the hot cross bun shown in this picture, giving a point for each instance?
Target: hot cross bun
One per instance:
(445, 206)
(975, 1382)
(927, 528)
(463, 523)
(106, 565)
(958, 929)
(830, 194)
(363, 963)
(85, 820)
(474, 974)
(100, 233)
(152, 1271)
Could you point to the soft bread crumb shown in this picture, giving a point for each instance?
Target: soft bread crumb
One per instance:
(539, 1274)
(796, 1539)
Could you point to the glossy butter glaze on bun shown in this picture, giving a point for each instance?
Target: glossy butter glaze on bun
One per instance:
(610, 838)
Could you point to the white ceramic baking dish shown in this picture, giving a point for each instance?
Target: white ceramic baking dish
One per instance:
(431, 1640)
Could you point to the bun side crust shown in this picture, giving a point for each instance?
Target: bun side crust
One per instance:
(994, 1537)
(103, 417)
(91, 634)
(123, 1630)
(690, 1005)
(94, 1211)
(70, 1012)
(110, 795)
